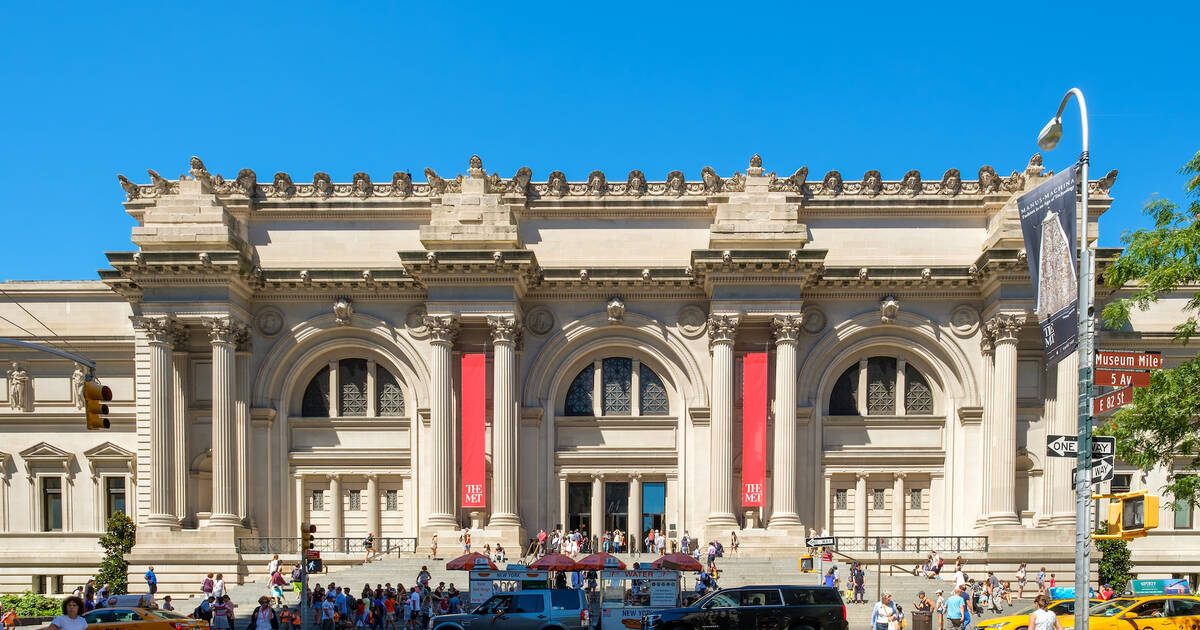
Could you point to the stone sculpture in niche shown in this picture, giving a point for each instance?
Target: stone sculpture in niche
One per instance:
(77, 379)
(20, 389)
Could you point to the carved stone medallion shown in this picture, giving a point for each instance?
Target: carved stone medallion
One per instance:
(814, 320)
(692, 321)
(269, 321)
(539, 320)
(415, 320)
(964, 320)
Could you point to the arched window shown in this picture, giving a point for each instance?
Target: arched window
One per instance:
(881, 390)
(353, 391)
(616, 389)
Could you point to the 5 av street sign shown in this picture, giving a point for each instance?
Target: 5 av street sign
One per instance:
(1121, 378)
(1068, 446)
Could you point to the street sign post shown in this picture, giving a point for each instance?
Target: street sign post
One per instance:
(1112, 400)
(1068, 446)
(1102, 469)
(1121, 378)
(828, 541)
(1128, 360)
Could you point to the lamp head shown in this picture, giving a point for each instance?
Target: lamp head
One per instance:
(1050, 134)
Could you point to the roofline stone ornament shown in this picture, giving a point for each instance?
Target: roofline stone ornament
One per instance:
(362, 185)
(557, 184)
(635, 184)
(322, 185)
(283, 185)
(872, 183)
(161, 186)
(437, 185)
(676, 186)
(402, 184)
(911, 184)
(475, 167)
(198, 171)
(597, 184)
(712, 182)
(755, 169)
(132, 190)
(247, 182)
(519, 184)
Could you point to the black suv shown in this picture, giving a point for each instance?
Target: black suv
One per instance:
(757, 608)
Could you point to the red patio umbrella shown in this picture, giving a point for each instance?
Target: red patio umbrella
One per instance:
(677, 561)
(599, 562)
(470, 562)
(553, 562)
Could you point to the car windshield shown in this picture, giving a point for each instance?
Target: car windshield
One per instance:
(1110, 609)
(170, 614)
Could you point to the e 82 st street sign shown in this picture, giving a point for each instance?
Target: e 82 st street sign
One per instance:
(1112, 400)
(1068, 446)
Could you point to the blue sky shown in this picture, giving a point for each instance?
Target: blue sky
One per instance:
(108, 88)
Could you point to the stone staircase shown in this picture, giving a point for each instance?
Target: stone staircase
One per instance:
(735, 571)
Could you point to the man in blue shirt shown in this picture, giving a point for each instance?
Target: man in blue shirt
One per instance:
(956, 607)
(152, 581)
(340, 602)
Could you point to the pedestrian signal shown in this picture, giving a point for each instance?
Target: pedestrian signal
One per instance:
(94, 396)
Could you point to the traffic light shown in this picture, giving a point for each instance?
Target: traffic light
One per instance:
(1130, 515)
(94, 396)
(306, 537)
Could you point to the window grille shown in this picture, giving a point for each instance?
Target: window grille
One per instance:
(841, 499)
(318, 500)
(352, 375)
(316, 396)
(390, 398)
(579, 395)
(877, 494)
(617, 379)
(392, 500)
(914, 502)
(355, 500)
(881, 386)
(653, 396)
(918, 398)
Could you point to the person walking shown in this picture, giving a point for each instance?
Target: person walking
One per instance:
(206, 586)
(219, 587)
(71, 617)
(884, 615)
(939, 610)
(264, 617)
(277, 584)
(1021, 577)
(368, 547)
(433, 546)
(859, 577)
(273, 565)
(1042, 619)
(151, 580)
(956, 609)
(733, 543)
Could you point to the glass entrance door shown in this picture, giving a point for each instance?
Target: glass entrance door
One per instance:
(616, 506)
(654, 506)
(579, 506)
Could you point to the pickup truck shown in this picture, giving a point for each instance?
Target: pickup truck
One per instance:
(756, 608)
(533, 609)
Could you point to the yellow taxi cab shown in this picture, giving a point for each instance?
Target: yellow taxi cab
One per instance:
(1153, 612)
(135, 618)
(1064, 608)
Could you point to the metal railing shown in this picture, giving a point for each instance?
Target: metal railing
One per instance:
(913, 544)
(291, 546)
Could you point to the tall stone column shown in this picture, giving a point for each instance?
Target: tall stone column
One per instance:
(337, 524)
(860, 505)
(634, 537)
(242, 428)
(373, 505)
(784, 513)
(1058, 489)
(506, 334)
(898, 505)
(301, 503)
(158, 332)
(1003, 437)
(443, 330)
(179, 399)
(562, 501)
(225, 334)
(721, 332)
(987, 350)
(597, 528)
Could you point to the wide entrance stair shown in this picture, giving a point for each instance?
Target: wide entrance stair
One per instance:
(735, 571)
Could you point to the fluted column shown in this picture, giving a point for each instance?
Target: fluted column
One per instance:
(337, 525)
(898, 505)
(987, 350)
(506, 334)
(301, 502)
(860, 505)
(443, 330)
(162, 445)
(721, 332)
(179, 399)
(1003, 437)
(373, 505)
(1057, 491)
(242, 427)
(597, 527)
(225, 335)
(784, 512)
(635, 512)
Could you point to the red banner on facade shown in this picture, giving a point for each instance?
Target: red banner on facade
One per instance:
(754, 428)
(474, 411)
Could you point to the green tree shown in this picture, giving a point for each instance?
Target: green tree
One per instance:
(1162, 426)
(117, 541)
(1114, 566)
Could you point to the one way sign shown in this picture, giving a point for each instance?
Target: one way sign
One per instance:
(1102, 470)
(828, 541)
(1068, 446)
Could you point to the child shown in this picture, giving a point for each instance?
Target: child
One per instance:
(9, 618)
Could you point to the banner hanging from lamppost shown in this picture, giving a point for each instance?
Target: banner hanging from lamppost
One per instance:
(1048, 224)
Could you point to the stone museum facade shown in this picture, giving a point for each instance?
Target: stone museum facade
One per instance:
(372, 357)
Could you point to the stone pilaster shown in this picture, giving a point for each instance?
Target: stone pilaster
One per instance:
(373, 505)
(562, 501)
(242, 429)
(784, 513)
(337, 524)
(721, 332)
(1002, 443)
(634, 532)
(506, 334)
(225, 333)
(1058, 496)
(179, 398)
(443, 330)
(898, 504)
(860, 505)
(597, 528)
(301, 502)
(158, 331)
(987, 349)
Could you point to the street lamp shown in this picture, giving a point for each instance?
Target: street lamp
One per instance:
(1047, 140)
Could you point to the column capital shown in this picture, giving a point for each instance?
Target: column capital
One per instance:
(1006, 327)
(859, 475)
(786, 328)
(156, 329)
(443, 329)
(635, 476)
(722, 328)
(333, 476)
(899, 475)
(562, 476)
(597, 476)
(225, 330)
(371, 476)
(505, 329)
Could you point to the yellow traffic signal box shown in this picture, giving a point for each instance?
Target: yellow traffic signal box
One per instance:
(95, 395)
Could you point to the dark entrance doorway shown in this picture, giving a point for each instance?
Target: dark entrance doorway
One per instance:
(579, 506)
(616, 506)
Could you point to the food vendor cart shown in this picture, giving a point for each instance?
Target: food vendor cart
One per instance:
(625, 595)
(486, 583)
